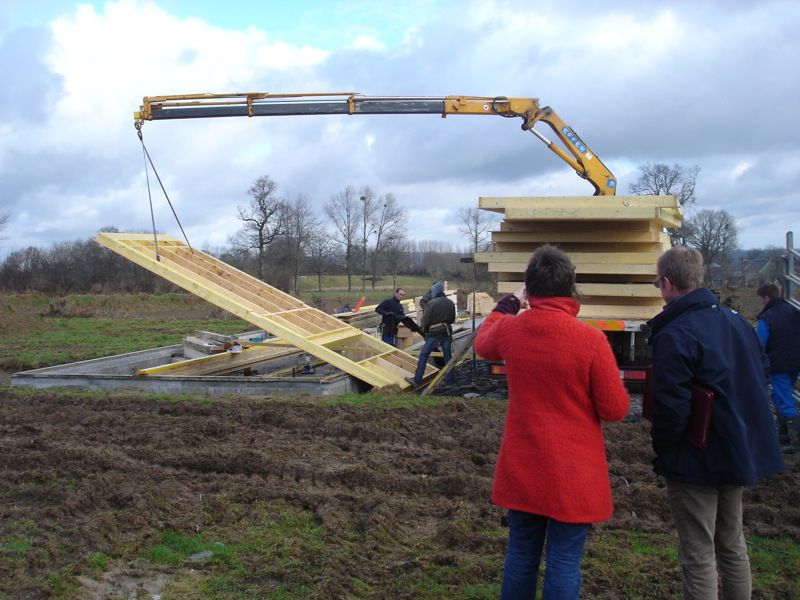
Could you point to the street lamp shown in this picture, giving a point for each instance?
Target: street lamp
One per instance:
(364, 246)
(471, 260)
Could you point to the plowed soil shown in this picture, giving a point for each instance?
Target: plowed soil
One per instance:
(409, 486)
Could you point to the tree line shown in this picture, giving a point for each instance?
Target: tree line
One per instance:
(279, 241)
(359, 233)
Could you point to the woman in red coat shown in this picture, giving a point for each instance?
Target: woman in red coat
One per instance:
(551, 471)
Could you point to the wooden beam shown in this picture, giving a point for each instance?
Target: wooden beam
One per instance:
(503, 203)
(666, 217)
(605, 258)
(582, 268)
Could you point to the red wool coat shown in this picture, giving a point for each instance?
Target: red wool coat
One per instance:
(562, 381)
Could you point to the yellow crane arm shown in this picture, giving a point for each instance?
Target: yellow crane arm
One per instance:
(577, 154)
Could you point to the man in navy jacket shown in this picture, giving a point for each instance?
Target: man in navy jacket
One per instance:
(778, 330)
(695, 340)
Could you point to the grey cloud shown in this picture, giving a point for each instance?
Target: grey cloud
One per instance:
(28, 85)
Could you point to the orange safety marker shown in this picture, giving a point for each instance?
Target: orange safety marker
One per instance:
(359, 304)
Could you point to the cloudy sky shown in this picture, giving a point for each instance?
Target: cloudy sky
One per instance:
(707, 83)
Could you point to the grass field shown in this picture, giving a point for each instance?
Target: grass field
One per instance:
(37, 330)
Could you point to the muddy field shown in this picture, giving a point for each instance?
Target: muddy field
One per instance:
(307, 499)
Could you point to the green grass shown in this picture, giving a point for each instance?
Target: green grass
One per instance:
(176, 548)
(58, 340)
(86, 305)
(274, 542)
(775, 563)
(15, 545)
(98, 562)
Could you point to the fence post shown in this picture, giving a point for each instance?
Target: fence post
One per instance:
(790, 277)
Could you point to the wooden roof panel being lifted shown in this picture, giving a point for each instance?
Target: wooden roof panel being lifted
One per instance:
(268, 308)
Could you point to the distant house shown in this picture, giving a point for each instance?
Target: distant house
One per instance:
(716, 274)
(754, 271)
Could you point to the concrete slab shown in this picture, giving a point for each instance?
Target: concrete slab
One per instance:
(118, 373)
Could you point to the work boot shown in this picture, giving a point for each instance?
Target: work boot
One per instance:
(783, 431)
(793, 430)
(411, 381)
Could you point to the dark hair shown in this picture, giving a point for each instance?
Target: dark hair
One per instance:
(769, 290)
(550, 273)
(683, 266)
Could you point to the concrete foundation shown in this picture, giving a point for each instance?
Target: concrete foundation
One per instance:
(118, 373)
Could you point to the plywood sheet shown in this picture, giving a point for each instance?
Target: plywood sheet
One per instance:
(266, 307)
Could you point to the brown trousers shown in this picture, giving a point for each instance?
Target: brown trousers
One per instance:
(710, 537)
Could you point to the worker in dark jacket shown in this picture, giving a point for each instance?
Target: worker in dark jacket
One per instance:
(695, 340)
(439, 315)
(778, 330)
(392, 313)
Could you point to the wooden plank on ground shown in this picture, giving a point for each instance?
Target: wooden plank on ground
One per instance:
(221, 363)
(276, 312)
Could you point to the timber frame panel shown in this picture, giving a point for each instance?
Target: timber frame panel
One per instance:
(268, 308)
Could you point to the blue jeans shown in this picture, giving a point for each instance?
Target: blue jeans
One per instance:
(526, 538)
(782, 398)
(389, 339)
(433, 341)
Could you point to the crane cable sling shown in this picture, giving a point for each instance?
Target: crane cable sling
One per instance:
(163, 189)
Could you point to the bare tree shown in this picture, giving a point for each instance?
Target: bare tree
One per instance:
(660, 179)
(476, 226)
(320, 247)
(342, 209)
(3, 222)
(389, 225)
(396, 249)
(369, 206)
(714, 233)
(264, 220)
(301, 225)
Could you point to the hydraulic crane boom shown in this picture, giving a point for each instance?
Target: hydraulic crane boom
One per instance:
(577, 154)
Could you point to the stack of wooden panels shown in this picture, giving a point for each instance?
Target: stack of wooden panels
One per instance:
(613, 241)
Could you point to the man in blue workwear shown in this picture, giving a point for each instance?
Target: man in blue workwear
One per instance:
(778, 330)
